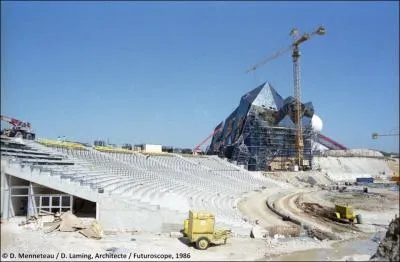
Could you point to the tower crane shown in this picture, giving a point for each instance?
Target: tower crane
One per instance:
(295, 47)
(376, 135)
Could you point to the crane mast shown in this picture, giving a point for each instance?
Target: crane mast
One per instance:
(297, 94)
(295, 47)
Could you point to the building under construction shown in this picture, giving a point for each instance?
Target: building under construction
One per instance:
(260, 133)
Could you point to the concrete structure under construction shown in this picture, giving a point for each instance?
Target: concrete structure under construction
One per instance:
(124, 190)
(260, 134)
(261, 129)
(151, 191)
(147, 192)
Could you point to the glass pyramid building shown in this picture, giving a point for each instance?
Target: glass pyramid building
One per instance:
(261, 130)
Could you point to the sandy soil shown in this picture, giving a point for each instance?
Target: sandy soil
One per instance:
(377, 208)
(254, 205)
(300, 179)
(393, 164)
(288, 203)
(18, 239)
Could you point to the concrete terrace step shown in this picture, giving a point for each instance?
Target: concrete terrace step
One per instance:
(128, 187)
(48, 179)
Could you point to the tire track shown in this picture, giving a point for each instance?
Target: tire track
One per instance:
(254, 207)
(326, 226)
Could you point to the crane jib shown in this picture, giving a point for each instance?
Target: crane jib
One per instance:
(296, 77)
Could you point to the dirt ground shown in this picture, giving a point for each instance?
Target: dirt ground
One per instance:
(301, 179)
(318, 238)
(24, 240)
(352, 242)
(377, 207)
(251, 203)
(16, 239)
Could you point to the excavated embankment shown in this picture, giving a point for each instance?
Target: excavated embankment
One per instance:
(388, 249)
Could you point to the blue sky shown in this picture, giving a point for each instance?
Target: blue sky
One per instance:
(169, 72)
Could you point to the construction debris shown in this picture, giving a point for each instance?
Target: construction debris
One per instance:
(69, 222)
(175, 234)
(51, 226)
(258, 232)
(44, 212)
(93, 231)
(66, 222)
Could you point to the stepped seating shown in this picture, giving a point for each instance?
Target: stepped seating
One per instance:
(23, 151)
(113, 149)
(154, 164)
(171, 188)
(72, 175)
(61, 144)
(109, 182)
(110, 186)
(203, 183)
(31, 157)
(212, 163)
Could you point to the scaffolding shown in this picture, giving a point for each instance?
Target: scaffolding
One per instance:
(262, 144)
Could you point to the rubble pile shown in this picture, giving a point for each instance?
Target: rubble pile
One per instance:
(66, 222)
(388, 249)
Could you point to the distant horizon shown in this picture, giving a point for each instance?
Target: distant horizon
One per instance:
(167, 145)
(109, 141)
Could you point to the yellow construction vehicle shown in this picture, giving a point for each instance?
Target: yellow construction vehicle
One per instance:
(345, 213)
(199, 229)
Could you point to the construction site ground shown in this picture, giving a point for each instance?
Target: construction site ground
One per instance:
(310, 200)
(305, 197)
(24, 239)
(393, 164)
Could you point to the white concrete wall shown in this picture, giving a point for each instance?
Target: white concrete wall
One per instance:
(152, 148)
(5, 194)
(116, 214)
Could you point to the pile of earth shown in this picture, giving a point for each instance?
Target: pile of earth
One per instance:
(388, 249)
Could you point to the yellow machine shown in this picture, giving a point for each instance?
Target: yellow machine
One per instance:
(345, 213)
(199, 229)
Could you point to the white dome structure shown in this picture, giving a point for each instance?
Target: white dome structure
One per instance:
(316, 123)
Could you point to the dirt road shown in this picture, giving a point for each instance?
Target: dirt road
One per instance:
(254, 206)
(289, 202)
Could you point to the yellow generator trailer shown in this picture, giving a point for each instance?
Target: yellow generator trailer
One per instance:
(345, 213)
(199, 229)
